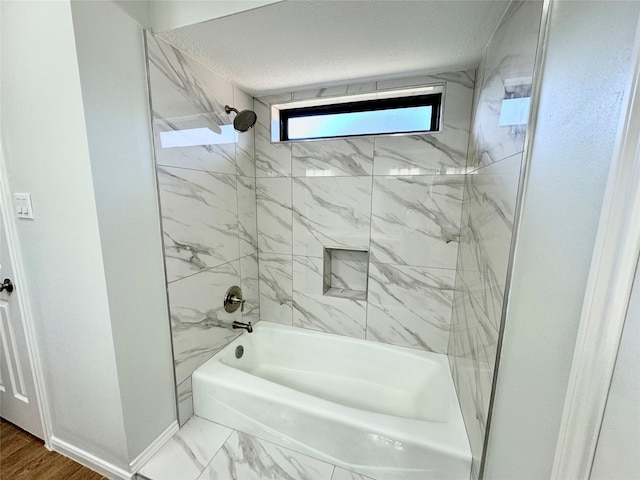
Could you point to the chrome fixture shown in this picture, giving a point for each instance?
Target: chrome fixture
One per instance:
(244, 121)
(247, 326)
(233, 300)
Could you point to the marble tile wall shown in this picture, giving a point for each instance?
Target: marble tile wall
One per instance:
(490, 191)
(400, 198)
(208, 208)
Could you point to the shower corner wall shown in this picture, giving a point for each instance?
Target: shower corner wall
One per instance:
(491, 186)
(208, 207)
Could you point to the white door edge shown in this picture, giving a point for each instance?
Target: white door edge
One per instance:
(22, 294)
(607, 296)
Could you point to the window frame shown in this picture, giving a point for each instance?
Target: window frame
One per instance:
(425, 95)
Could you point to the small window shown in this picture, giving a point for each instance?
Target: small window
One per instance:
(380, 113)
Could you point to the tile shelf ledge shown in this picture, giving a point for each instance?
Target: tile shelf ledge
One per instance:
(346, 293)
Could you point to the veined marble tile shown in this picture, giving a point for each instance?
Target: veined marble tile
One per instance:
(508, 74)
(472, 355)
(187, 95)
(335, 91)
(250, 289)
(330, 212)
(489, 288)
(199, 219)
(426, 154)
(416, 220)
(480, 71)
(312, 309)
(245, 146)
(491, 195)
(333, 158)
(472, 333)
(436, 153)
(199, 325)
(475, 469)
(349, 269)
(212, 158)
(185, 401)
(464, 377)
(342, 474)
(274, 215)
(186, 454)
(272, 159)
(464, 78)
(244, 457)
(276, 287)
(247, 221)
(410, 306)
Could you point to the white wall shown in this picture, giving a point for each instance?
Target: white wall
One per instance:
(110, 47)
(139, 10)
(170, 14)
(46, 151)
(616, 455)
(585, 73)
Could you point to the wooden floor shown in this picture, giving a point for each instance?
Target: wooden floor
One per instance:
(23, 456)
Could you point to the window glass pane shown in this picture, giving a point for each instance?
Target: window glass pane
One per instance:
(396, 120)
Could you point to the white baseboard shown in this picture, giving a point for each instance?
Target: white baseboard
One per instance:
(105, 468)
(89, 460)
(148, 452)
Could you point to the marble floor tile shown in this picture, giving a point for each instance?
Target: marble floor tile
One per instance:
(333, 158)
(276, 287)
(410, 306)
(186, 454)
(199, 220)
(244, 457)
(312, 309)
(415, 220)
(330, 212)
(273, 197)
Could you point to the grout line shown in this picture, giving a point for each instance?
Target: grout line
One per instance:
(366, 305)
(290, 148)
(218, 450)
(476, 170)
(211, 268)
(161, 166)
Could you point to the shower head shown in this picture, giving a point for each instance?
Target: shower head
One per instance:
(244, 121)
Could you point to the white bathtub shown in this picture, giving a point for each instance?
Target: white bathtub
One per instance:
(383, 411)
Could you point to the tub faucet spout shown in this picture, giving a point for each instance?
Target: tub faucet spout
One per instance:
(247, 326)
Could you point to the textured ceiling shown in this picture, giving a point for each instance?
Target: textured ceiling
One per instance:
(296, 44)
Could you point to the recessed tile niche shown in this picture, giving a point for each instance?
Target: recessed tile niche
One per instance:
(345, 273)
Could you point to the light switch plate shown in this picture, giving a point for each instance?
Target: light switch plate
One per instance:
(22, 204)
